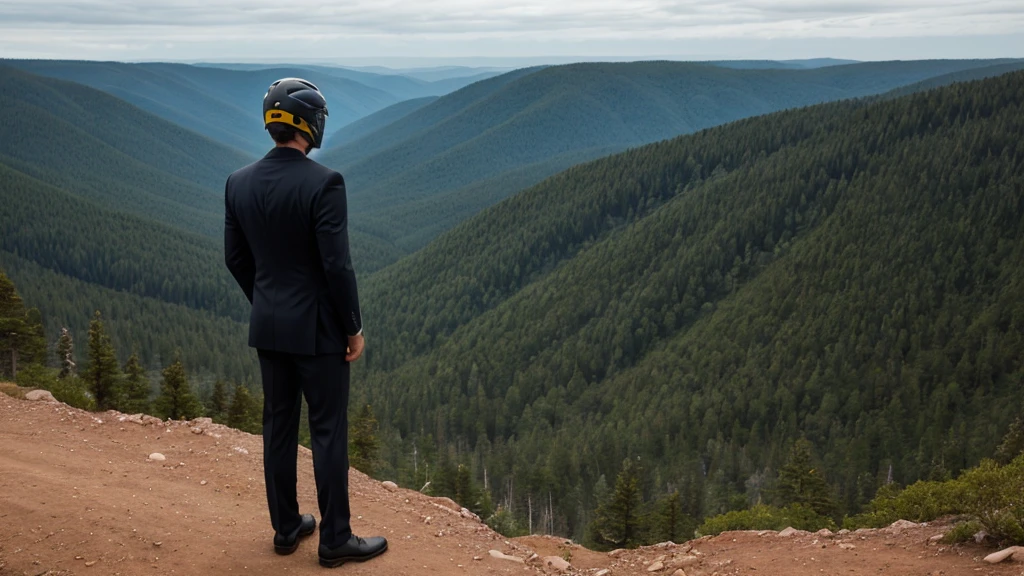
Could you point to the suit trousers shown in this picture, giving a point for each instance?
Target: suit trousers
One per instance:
(324, 381)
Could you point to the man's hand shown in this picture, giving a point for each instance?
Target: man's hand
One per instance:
(355, 347)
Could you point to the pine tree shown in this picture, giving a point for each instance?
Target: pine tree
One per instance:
(617, 521)
(17, 336)
(103, 375)
(363, 445)
(219, 401)
(800, 482)
(671, 518)
(176, 400)
(33, 347)
(66, 354)
(136, 387)
(244, 413)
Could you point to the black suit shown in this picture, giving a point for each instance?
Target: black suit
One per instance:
(286, 243)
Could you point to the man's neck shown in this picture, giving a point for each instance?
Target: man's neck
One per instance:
(295, 144)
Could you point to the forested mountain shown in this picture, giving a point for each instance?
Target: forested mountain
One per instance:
(852, 273)
(376, 121)
(402, 84)
(104, 149)
(781, 64)
(115, 250)
(445, 161)
(223, 105)
(210, 345)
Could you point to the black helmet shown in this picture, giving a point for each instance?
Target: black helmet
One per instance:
(299, 104)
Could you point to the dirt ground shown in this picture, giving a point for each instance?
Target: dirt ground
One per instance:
(78, 495)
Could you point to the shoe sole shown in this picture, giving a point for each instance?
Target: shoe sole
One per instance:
(286, 550)
(335, 562)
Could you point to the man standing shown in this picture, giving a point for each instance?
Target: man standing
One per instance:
(286, 243)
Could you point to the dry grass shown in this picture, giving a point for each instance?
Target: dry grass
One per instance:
(12, 389)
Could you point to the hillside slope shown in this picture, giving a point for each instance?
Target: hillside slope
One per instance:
(376, 121)
(104, 149)
(850, 272)
(542, 121)
(203, 511)
(223, 105)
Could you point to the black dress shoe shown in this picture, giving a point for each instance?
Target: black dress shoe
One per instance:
(285, 545)
(355, 550)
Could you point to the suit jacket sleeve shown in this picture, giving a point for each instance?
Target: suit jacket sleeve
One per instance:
(331, 222)
(237, 253)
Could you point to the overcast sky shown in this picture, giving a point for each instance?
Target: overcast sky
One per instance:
(397, 31)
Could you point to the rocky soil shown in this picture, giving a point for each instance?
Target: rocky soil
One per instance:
(84, 493)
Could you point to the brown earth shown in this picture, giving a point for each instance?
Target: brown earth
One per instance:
(78, 495)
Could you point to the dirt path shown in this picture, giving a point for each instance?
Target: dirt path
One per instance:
(78, 495)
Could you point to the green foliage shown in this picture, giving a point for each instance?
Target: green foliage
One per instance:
(994, 496)
(136, 387)
(504, 522)
(70, 390)
(802, 483)
(922, 501)
(764, 517)
(176, 400)
(245, 412)
(102, 375)
(363, 444)
(963, 532)
(990, 495)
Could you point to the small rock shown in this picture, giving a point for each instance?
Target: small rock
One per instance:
(687, 561)
(899, 526)
(90, 563)
(843, 532)
(501, 556)
(465, 513)
(617, 552)
(980, 536)
(997, 557)
(240, 450)
(203, 483)
(790, 531)
(937, 537)
(656, 566)
(604, 572)
(824, 533)
(557, 563)
(197, 430)
(157, 457)
(157, 544)
(846, 546)
(478, 558)
(202, 422)
(389, 485)
(40, 396)
(679, 572)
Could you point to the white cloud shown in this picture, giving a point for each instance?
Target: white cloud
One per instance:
(195, 28)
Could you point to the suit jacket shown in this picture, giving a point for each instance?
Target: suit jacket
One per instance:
(286, 244)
